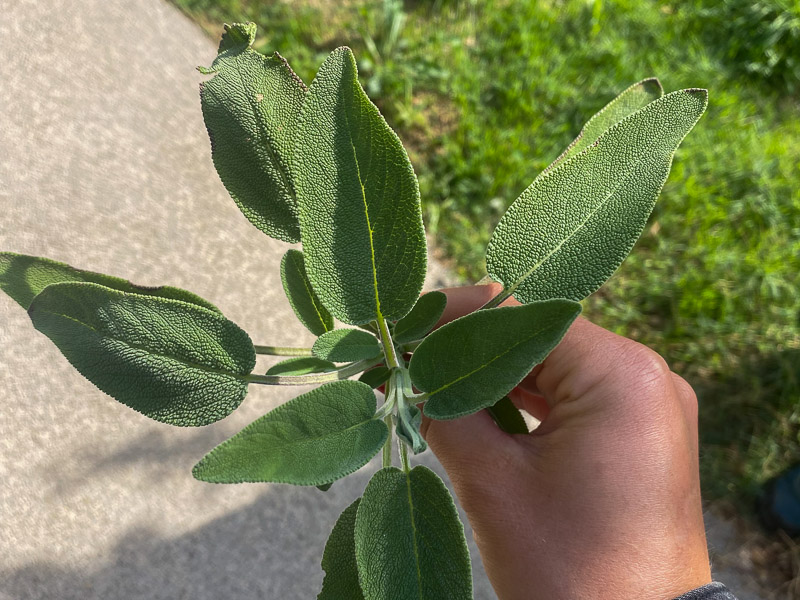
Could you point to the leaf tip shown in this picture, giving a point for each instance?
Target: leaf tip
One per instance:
(701, 93)
(237, 36)
(653, 84)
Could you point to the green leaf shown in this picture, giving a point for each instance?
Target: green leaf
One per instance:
(421, 319)
(409, 540)
(346, 345)
(360, 215)
(251, 107)
(301, 365)
(507, 416)
(628, 102)
(339, 560)
(472, 362)
(314, 439)
(409, 421)
(305, 303)
(570, 230)
(174, 362)
(325, 487)
(376, 377)
(22, 277)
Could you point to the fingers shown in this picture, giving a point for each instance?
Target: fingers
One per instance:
(464, 446)
(464, 300)
(533, 404)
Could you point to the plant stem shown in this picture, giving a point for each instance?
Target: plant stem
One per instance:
(388, 345)
(343, 373)
(404, 456)
(387, 446)
(410, 346)
(497, 300)
(283, 351)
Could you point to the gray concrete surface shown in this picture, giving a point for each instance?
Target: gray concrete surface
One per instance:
(104, 164)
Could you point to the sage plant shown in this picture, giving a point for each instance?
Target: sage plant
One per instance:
(320, 166)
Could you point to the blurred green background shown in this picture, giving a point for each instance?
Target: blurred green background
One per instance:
(487, 94)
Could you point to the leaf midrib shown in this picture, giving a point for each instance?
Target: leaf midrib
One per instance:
(280, 167)
(379, 316)
(147, 350)
(414, 535)
(486, 364)
(315, 438)
(511, 289)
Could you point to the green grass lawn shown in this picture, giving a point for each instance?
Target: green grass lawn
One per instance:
(486, 94)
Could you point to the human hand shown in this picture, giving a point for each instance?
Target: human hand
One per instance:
(602, 500)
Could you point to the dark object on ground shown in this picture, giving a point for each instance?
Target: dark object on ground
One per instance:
(779, 505)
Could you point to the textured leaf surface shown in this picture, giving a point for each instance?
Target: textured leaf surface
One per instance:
(346, 345)
(421, 319)
(314, 439)
(23, 276)
(570, 230)
(251, 107)
(472, 362)
(174, 362)
(301, 365)
(376, 377)
(339, 560)
(507, 416)
(409, 541)
(305, 303)
(628, 102)
(360, 215)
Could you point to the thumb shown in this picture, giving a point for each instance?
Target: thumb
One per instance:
(472, 450)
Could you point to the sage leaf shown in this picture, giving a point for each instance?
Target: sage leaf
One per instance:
(346, 345)
(421, 319)
(632, 99)
(570, 230)
(305, 303)
(360, 214)
(301, 365)
(409, 421)
(251, 107)
(376, 376)
(339, 559)
(507, 416)
(23, 276)
(472, 362)
(314, 439)
(174, 362)
(409, 540)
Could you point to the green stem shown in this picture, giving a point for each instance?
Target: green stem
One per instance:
(387, 446)
(388, 345)
(499, 299)
(410, 346)
(404, 456)
(283, 351)
(343, 373)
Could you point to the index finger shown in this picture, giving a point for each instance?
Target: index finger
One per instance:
(464, 300)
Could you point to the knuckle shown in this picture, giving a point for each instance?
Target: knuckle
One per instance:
(647, 364)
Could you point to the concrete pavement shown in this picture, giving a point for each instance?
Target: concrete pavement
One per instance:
(106, 166)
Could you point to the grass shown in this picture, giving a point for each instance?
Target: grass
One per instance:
(486, 94)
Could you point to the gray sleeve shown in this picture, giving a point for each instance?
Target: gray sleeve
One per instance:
(712, 591)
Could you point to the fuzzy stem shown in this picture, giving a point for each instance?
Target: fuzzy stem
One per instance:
(343, 373)
(283, 351)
